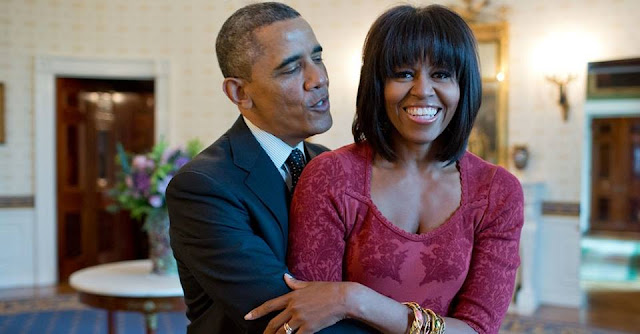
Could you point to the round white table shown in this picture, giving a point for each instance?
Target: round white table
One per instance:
(128, 286)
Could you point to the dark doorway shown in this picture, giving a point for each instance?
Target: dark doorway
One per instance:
(92, 116)
(615, 175)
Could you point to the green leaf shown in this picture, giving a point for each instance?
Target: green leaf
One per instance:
(194, 146)
(124, 161)
(113, 208)
(158, 149)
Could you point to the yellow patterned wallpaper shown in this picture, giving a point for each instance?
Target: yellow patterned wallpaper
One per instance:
(183, 32)
(605, 30)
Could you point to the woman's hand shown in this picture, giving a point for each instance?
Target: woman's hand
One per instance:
(310, 307)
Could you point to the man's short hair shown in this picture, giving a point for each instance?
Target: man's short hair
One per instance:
(236, 45)
(406, 35)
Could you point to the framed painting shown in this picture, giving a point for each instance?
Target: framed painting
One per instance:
(489, 135)
(614, 79)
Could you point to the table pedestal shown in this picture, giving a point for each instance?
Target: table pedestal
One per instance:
(149, 307)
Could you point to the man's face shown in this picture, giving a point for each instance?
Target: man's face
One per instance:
(289, 87)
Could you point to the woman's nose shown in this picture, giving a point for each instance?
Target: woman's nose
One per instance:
(423, 87)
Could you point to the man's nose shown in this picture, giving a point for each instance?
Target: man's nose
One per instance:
(315, 76)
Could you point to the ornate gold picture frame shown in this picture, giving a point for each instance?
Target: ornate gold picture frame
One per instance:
(489, 136)
(2, 138)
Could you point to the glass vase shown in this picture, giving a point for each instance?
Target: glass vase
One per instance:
(157, 227)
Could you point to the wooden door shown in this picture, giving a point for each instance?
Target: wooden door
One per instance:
(615, 175)
(92, 116)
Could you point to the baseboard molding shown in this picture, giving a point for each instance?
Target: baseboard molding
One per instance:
(11, 202)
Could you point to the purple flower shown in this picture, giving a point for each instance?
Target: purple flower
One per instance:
(155, 201)
(181, 161)
(141, 181)
(150, 164)
(169, 154)
(139, 162)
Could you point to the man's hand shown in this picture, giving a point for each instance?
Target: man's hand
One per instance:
(310, 307)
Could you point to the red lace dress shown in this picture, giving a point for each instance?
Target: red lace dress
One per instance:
(463, 269)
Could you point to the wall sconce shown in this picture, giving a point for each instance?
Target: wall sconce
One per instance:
(562, 55)
(562, 89)
(520, 156)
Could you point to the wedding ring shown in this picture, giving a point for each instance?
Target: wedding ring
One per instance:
(287, 328)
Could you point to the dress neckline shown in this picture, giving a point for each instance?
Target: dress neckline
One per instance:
(461, 165)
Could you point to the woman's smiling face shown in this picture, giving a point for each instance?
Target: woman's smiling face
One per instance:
(420, 101)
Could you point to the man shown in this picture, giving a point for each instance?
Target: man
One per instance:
(229, 206)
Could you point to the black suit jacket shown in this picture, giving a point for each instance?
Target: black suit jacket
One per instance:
(229, 226)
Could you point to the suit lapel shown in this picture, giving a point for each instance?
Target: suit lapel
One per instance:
(263, 179)
(313, 150)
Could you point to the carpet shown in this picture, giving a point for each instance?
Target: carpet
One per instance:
(514, 324)
(66, 315)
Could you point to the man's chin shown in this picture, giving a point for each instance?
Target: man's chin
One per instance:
(322, 126)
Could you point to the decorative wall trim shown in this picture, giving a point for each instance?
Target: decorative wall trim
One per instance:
(598, 109)
(2, 107)
(16, 202)
(47, 68)
(561, 209)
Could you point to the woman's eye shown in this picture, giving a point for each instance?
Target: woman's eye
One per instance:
(403, 75)
(442, 75)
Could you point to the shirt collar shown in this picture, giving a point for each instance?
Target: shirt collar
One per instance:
(276, 149)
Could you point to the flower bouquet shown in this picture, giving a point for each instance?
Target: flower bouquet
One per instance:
(140, 189)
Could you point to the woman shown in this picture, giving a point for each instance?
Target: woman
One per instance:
(406, 212)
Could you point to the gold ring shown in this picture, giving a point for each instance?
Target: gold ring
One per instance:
(287, 328)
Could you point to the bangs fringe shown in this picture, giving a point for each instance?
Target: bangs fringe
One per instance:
(411, 39)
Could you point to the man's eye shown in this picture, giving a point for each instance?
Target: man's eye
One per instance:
(291, 70)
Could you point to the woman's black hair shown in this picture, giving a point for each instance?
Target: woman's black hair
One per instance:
(406, 35)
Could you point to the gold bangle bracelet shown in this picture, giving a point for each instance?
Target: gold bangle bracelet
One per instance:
(438, 324)
(434, 318)
(426, 328)
(442, 324)
(418, 319)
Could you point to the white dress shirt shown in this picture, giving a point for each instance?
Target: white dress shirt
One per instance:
(276, 149)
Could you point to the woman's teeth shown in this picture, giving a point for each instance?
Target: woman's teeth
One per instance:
(428, 112)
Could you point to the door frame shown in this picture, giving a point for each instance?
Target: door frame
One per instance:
(601, 108)
(47, 68)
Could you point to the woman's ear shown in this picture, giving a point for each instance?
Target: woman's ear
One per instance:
(235, 89)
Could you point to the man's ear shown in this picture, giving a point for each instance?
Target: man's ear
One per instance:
(235, 90)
